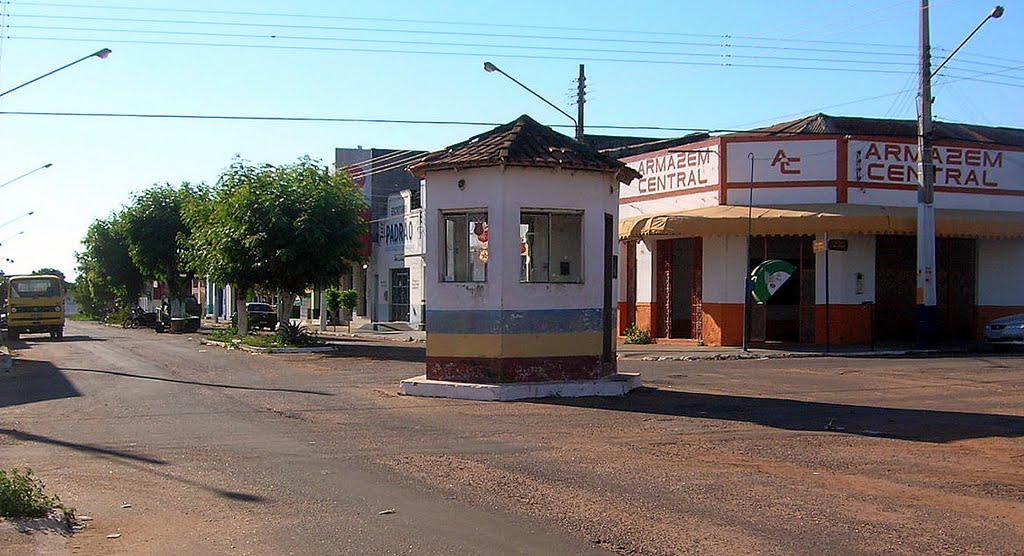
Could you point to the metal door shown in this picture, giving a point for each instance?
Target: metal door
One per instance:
(400, 294)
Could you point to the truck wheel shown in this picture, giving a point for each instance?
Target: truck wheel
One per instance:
(60, 333)
(13, 335)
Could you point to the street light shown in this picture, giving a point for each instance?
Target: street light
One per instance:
(8, 182)
(16, 218)
(491, 68)
(926, 295)
(98, 54)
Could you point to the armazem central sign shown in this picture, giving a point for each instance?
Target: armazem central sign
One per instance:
(959, 167)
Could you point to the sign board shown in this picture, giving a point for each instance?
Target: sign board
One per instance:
(782, 161)
(838, 245)
(673, 170)
(961, 167)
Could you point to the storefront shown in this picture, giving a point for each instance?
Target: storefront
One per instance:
(398, 262)
(817, 193)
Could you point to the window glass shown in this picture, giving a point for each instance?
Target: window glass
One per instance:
(466, 246)
(551, 247)
(35, 287)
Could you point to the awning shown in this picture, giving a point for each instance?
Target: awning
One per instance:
(819, 219)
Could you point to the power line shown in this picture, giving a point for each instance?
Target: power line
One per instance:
(450, 33)
(474, 24)
(439, 122)
(460, 45)
(725, 63)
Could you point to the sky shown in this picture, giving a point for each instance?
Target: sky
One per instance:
(678, 66)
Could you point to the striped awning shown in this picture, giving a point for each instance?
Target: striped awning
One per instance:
(818, 219)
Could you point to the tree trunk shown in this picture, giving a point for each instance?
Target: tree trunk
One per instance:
(285, 301)
(243, 315)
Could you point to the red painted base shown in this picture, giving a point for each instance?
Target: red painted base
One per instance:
(518, 369)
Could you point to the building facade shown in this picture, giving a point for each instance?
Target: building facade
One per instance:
(390, 282)
(835, 198)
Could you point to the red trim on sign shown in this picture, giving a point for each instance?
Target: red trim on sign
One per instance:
(943, 189)
(842, 172)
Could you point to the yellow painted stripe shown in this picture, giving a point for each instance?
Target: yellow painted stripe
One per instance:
(514, 345)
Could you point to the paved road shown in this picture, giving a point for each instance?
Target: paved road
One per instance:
(222, 452)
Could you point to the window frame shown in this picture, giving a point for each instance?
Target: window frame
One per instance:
(469, 214)
(550, 213)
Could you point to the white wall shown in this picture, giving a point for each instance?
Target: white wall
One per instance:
(505, 193)
(943, 199)
(1000, 272)
(844, 266)
(725, 264)
(780, 196)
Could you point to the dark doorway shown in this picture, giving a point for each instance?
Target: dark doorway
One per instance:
(788, 315)
(608, 344)
(680, 268)
(400, 294)
(896, 287)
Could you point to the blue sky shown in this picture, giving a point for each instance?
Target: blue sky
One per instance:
(673, 64)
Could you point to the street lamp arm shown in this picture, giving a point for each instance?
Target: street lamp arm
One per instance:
(996, 13)
(99, 54)
(43, 167)
(489, 67)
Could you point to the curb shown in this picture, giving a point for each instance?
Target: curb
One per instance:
(253, 349)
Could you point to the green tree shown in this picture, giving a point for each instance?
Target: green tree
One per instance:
(107, 275)
(283, 228)
(334, 304)
(157, 234)
(349, 299)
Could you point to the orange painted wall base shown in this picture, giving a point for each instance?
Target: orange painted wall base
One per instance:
(850, 324)
(723, 324)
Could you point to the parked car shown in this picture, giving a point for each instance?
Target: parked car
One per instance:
(1007, 331)
(260, 315)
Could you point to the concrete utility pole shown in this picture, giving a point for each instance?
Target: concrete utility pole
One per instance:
(581, 98)
(926, 297)
(927, 328)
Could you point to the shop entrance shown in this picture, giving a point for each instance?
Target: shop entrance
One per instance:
(400, 294)
(679, 278)
(896, 287)
(788, 315)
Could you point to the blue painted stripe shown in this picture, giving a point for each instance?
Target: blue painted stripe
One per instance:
(538, 321)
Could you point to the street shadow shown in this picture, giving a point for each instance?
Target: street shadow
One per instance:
(133, 461)
(198, 383)
(915, 425)
(414, 353)
(78, 447)
(34, 381)
(26, 342)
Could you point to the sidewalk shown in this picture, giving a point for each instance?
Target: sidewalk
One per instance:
(673, 350)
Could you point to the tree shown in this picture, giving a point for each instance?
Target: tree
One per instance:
(284, 228)
(107, 275)
(334, 304)
(349, 299)
(157, 234)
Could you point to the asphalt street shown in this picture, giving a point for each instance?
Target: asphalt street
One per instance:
(174, 447)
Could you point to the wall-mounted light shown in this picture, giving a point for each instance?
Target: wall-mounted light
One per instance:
(462, 185)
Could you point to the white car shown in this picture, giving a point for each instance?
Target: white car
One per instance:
(1007, 331)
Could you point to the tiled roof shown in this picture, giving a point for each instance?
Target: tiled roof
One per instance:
(823, 124)
(523, 142)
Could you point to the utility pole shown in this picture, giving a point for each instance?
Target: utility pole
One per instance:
(926, 296)
(581, 98)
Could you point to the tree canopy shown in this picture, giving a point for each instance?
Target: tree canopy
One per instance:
(107, 275)
(157, 234)
(284, 228)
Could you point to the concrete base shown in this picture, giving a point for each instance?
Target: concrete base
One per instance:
(615, 385)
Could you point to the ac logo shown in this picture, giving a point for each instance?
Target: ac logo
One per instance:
(785, 163)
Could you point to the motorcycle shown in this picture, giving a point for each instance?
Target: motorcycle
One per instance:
(139, 317)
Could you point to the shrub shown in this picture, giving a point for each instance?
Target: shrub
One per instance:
(636, 335)
(22, 495)
(296, 335)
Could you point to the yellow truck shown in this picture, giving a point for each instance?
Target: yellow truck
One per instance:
(35, 303)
